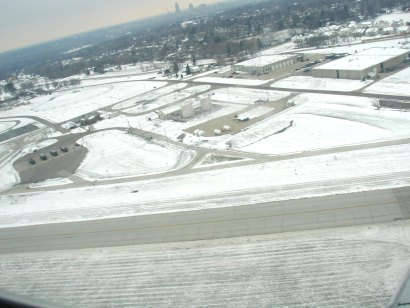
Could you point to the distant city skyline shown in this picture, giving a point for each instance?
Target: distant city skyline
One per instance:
(27, 22)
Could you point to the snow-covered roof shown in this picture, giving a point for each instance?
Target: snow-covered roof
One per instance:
(364, 59)
(265, 60)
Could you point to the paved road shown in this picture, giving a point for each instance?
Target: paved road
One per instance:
(246, 220)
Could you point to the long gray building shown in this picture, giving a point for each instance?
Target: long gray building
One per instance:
(265, 64)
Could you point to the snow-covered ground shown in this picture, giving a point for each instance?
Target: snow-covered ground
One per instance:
(232, 81)
(305, 177)
(322, 121)
(246, 96)
(351, 267)
(254, 112)
(394, 17)
(114, 154)
(109, 79)
(278, 49)
(396, 84)
(51, 182)
(165, 100)
(13, 123)
(158, 103)
(62, 106)
(4, 126)
(323, 84)
(152, 95)
(353, 48)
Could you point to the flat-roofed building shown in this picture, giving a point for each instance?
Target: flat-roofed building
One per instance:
(265, 64)
(359, 65)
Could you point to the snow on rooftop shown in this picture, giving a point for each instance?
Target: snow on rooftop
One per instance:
(364, 59)
(265, 60)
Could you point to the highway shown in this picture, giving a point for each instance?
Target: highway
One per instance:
(246, 220)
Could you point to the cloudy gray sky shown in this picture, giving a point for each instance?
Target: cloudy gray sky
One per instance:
(27, 22)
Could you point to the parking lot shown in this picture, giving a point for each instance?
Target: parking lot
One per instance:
(58, 160)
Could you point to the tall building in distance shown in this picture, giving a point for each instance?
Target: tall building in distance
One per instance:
(191, 7)
(177, 8)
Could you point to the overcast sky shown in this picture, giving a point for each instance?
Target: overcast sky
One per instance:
(27, 22)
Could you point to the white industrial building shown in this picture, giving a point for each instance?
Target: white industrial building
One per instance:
(265, 64)
(359, 65)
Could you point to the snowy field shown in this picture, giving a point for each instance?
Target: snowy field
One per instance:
(284, 48)
(158, 103)
(396, 84)
(254, 113)
(353, 48)
(323, 175)
(51, 183)
(405, 17)
(245, 96)
(13, 123)
(109, 79)
(62, 106)
(114, 154)
(323, 121)
(157, 100)
(232, 81)
(323, 84)
(351, 267)
(4, 126)
(152, 95)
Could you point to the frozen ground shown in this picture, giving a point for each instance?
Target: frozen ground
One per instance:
(51, 182)
(114, 78)
(394, 17)
(255, 112)
(322, 175)
(323, 121)
(396, 84)
(152, 95)
(351, 267)
(4, 126)
(157, 100)
(158, 103)
(62, 106)
(246, 96)
(13, 123)
(278, 49)
(353, 48)
(323, 84)
(114, 154)
(232, 81)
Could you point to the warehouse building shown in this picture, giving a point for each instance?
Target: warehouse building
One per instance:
(359, 65)
(265, 64)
